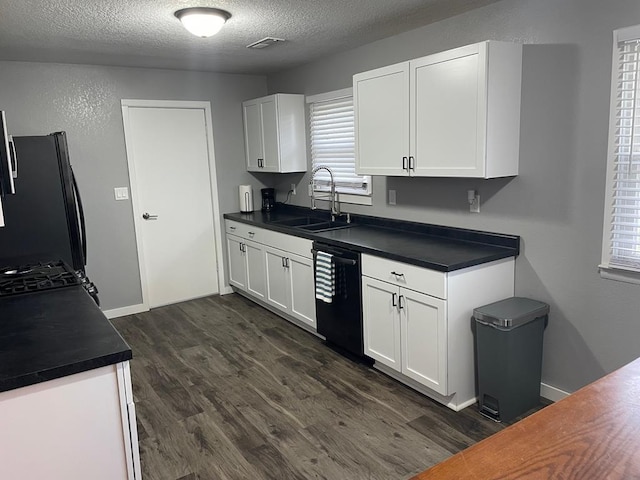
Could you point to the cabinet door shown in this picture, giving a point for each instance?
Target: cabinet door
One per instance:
(381, 322)
(448, 108)
(424, 339)
(237, 263)
(302, 289)
(253, 135)
(256, 278)
(381, 106)
(277, 278)
(270, 144)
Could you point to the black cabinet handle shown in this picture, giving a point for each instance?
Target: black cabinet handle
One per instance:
(400, 305)
(404, 163)
(411, 163)
(393, 300)
(396, 274)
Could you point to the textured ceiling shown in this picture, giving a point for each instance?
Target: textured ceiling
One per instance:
(145, 33)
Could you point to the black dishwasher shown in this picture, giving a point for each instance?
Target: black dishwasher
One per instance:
(340, 319)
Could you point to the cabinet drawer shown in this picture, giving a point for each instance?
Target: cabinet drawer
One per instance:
(282, 241)
(415, 278)
(248, 232)
(289, 243)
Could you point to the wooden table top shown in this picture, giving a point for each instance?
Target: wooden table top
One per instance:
(592, 434)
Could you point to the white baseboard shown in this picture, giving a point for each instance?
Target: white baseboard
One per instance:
(124, 311)
(552, 393)
(226, 290)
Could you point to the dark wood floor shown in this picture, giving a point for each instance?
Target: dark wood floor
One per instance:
(224, 389)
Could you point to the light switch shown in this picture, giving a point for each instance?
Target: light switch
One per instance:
(121, 193)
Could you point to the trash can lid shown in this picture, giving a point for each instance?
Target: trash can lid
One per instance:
(511, 312)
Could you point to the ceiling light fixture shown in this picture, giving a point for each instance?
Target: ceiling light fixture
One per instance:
(203, 21)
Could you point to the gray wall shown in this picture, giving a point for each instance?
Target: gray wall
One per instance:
(556, 203)
(85, 102)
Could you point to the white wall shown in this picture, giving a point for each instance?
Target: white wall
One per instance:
(556, 203)
(84, 101)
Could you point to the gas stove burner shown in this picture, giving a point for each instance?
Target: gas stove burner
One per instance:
(12, 271)
(36, 277)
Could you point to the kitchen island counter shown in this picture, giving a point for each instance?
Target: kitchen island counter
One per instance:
(52, 334)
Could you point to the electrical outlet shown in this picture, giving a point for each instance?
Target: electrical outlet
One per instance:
(474, 207)
(293, 189)
(392, 197)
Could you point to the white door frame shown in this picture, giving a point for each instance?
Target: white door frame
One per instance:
(213, 179)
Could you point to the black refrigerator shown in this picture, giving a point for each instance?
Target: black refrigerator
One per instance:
(44, 219)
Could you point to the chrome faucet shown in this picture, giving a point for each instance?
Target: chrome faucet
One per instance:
(335, 206)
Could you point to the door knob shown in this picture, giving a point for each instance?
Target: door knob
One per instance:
(146, 216)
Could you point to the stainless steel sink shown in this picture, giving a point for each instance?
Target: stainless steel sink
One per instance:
(324, 226)
(300, 222)
(312, 224)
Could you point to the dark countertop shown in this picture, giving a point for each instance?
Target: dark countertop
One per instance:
(436, 247)
(52, 334)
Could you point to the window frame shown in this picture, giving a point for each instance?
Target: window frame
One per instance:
(364, 198)
(609, 270)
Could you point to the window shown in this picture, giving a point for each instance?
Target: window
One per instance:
(332, 134)
(621, 240)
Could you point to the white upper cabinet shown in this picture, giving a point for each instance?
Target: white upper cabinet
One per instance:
(274, 134)
(451, 114)
(381, 104)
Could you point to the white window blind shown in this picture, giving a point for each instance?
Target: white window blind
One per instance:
(333, 145)
(624, 194)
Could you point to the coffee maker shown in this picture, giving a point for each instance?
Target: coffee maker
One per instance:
(268, 199)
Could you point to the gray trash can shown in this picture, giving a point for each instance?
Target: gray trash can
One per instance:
(509, 356)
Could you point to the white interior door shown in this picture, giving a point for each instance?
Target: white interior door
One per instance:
(168, 154)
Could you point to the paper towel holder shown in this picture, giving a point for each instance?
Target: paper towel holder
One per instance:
(245, 196)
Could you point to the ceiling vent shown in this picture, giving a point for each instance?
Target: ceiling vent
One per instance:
(265, 42)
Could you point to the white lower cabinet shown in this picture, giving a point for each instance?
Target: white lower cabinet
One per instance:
(381, 322)
(254, 254)
(418, 322)
(290, 284)
(281, 278)
(237, 262)
(277, 278)
(302, 292)
(246, 265)
(406, 331)
(423, 332)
